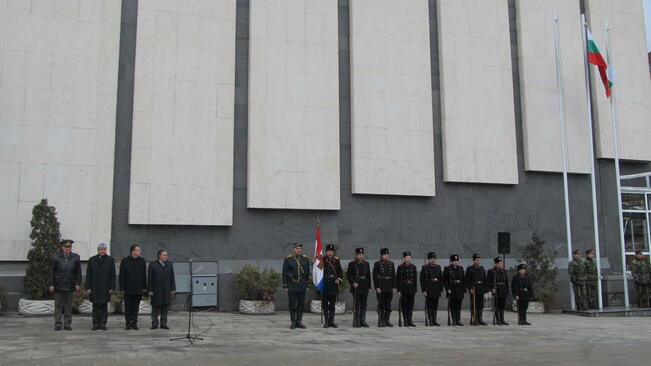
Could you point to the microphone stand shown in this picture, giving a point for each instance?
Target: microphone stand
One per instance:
(188, 304)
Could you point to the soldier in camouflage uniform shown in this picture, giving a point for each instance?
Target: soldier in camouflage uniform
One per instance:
(591, 278)
(641, 270)
(576, 269)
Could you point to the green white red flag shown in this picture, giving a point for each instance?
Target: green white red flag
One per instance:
(595, 58)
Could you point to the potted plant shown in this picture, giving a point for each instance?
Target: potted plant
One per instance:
(145, 306)
(257, 290)
(340, 306)
(45, 238)
(542, 273)
(83, 306)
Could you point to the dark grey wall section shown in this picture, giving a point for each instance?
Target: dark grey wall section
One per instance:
(462, 218)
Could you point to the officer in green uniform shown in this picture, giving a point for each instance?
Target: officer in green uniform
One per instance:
(576, 270)
(296, 279)
(641, 270)
(591, 278)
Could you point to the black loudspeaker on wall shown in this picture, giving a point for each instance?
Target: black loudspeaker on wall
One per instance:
(504, 243)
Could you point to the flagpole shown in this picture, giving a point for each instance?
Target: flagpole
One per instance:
(595, 220)
(615, 126)
(561, 101)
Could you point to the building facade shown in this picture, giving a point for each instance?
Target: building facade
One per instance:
(225, 130)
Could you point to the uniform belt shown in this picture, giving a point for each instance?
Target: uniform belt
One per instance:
(501, 283)
(456, 281)
(409, 282)
(385, 277)
(524, 289)
(434, 279)
(362, 277)
(331, 276)
(478, 283)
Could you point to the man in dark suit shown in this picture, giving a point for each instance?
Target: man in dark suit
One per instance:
(453, 277)
(384, 280)
(406, 280)
(161, 288)
(522, 290)
(498, 282)
(332, 277)
(359, 277)
(476, 282)
(100, 284)
(296, 279)
(133, 282)
(431, 283)
(65, 279)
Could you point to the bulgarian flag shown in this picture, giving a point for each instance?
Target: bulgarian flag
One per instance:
(595, 58)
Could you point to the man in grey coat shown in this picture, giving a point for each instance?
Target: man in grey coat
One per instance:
(65, 279)
(100, 284)
(161, 288)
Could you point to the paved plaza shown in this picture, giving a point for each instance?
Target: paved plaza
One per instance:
(234, 339)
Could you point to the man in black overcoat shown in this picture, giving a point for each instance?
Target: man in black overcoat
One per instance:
(133, 282)
(100, 284)
(161, 287)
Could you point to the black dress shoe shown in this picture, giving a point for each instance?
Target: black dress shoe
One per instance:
(67, 327)
(127, 327)
(164, 327)
(459, 324)
(95, 327)
(293, 326)
(526, 323)
(435, 324)
(134, 326)
(154, 326)
(482, 323)
(57, 328)
(103, 327)
(299, 324)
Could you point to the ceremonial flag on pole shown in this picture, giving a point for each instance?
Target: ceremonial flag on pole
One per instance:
(317, 268)
(595, 58)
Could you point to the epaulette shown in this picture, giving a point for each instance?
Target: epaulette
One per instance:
(337, 258)
(289, 256)
(304, 256)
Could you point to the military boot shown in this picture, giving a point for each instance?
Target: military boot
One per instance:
(380, 319)
(332, 320)
(362, 318)
(387, 316)
(502, 317)
(299, 321)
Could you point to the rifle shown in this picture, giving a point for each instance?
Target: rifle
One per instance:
(426, 306)
(355, 310)
(474, 306)
(495, 296)
(449, 295)
(400, 309)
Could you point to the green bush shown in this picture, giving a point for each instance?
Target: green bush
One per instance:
(541, 270)
(251, 284)
(46, 239)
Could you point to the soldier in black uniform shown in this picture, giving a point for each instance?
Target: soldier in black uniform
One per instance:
(407, 287)
(384, 280)
(333, 275)
(476, 282)
(455, 288)
(522, 290)
(432, 285)
(359, 277)
(497, 281)
(296, 279)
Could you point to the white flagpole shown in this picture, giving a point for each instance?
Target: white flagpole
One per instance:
(561, 101)
(595, 220)
(613, 118)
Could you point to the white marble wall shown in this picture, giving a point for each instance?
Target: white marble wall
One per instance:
(293, 125)
(632, 89)
(539, 91)
(478, 120)
(58, 85)
(182, 139)
(391, 98)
